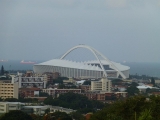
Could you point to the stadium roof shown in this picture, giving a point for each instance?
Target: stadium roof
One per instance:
(70, 64)
(104, 62)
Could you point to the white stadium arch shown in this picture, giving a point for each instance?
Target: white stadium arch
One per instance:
(95, 53)
(102, 67)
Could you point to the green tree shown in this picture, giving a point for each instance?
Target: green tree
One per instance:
(43, 94)
(16, 115)
(1, 99)
(87, 82)
(153, 81)
(11, 100)
(2, 70)
(74, 101)
(145, 115)
(77, 116)
(128, 109)
(57, 116)
(132, 90)
(48, 100)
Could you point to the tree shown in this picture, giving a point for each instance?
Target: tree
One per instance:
(2, 70)
(77, 116)
(57, 116)
(145, 115)
(132, 90)
(1, 99)
(11, 100)
(87, 82)
(153, 81)
(128, 109)
(16, 115)
(43, 94)
(74, 101)
(48, 100)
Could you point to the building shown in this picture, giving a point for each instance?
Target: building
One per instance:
(5, 107)
(95, 96)
(29, 92)
(37, 110)
(142, 88)
(8, 90)
(57, 92)
(71, 80)
(85, 88)
(49, 76)
(61, 109)
(29, 82)
(91, 69)
(101, 85)
(40, 110)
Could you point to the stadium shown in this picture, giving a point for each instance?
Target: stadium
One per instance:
(101, 67)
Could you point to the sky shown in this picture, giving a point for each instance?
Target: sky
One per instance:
(122, 30)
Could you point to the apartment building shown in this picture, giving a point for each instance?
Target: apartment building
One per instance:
(57, 92)
(5, 107)
(29, 82)
(8, 90)
(103, 85)
(29, 92)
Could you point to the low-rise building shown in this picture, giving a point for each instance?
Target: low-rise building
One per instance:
(29, 82)
(29, 92)
(5, 107)
(71, 80)
(56, 92)
(61, 109)
(85, 88)
(8, 90)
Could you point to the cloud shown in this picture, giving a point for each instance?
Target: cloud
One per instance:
(116, 3)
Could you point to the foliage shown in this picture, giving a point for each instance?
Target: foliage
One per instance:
(153, 81)
(1, 99)
(36, 117)
(145, 115)
(87, 82)
(130, 109)
(116, 81)
(60, 80)
(132, 89)
(11, 100)
(57, 116)
(16, 115)
(2, 70)
(48, 100)
(43, 94)
(77, 116)
(74, 101)
(134, 84)
(28, 100)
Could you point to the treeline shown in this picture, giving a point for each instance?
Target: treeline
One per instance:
(74, 101)
(133, 108)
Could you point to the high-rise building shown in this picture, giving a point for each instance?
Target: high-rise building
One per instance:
(102, 85)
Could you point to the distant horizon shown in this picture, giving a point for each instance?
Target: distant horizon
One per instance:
(6, 60)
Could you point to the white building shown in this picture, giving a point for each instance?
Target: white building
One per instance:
(57, 92)
(5, 107)
(29, 82)
(142, 88)
(102, 85)
(91, 69)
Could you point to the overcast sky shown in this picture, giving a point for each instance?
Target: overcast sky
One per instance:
(44, 29)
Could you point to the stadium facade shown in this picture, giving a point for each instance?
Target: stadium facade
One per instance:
(91, 69)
